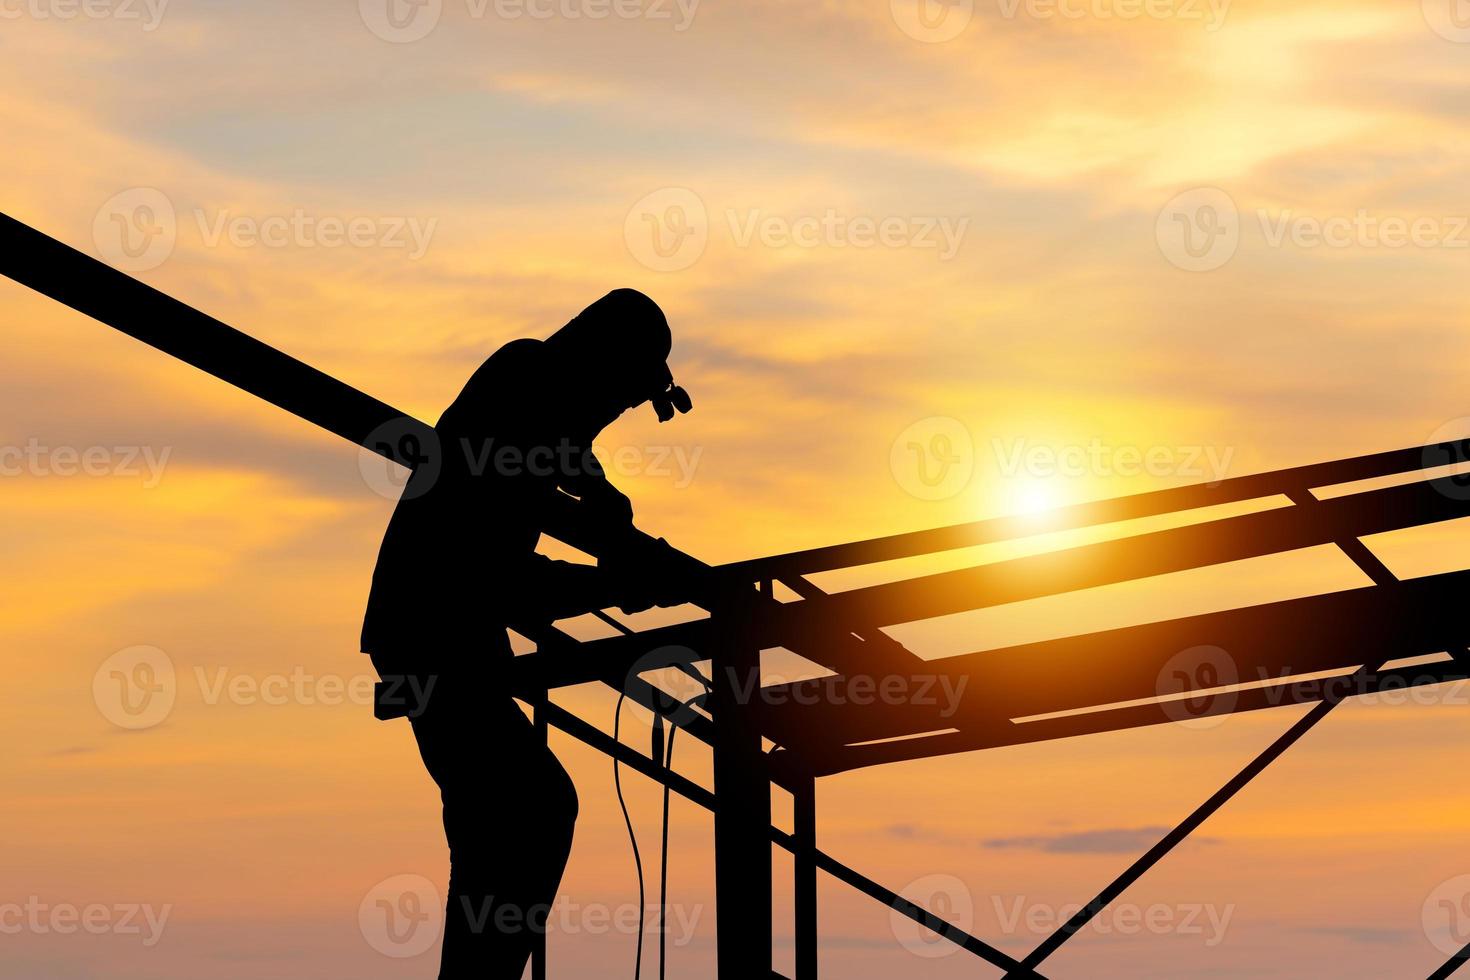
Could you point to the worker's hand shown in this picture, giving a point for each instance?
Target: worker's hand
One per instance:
(645, 577)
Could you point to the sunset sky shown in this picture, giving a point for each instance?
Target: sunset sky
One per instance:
(1069, 248)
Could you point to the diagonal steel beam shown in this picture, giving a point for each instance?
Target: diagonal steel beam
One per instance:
(569, 723)
(1186, 827)
(94, 288)
(1452, 965)
(1371, 566)
(89, 286)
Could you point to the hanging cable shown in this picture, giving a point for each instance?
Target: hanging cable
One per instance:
(663, 871)
(632, 837)
(666, 756)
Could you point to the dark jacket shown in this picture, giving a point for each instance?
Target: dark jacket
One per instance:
(458, 564)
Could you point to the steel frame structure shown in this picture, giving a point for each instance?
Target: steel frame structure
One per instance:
(1076, 685)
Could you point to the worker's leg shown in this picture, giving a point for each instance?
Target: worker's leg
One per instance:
(509, 810)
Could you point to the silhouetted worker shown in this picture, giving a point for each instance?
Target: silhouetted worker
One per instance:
(458, 566)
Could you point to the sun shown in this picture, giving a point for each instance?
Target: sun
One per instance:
(1032, 496)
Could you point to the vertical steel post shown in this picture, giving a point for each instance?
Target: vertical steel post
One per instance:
(804, 827)
(538, 924)
(742, 803)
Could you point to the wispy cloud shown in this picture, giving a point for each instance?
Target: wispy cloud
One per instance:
(1112, 840)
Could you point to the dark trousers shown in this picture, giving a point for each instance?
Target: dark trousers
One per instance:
(509, 809)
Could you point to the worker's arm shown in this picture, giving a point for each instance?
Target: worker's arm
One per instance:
(543, 589)
(549, 590)
(601, 501)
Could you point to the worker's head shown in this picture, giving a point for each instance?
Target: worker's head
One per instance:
(614, 356)
(611, 357)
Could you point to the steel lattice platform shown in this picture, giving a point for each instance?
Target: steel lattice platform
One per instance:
(1059, 688)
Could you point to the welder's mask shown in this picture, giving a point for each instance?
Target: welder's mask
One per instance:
(625, 334)
(668, 398)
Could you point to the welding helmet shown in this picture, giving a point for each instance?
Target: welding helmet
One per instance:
(626, 336)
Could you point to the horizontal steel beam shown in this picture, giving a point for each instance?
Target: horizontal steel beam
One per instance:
(1270, 642)
(828, 761)
(803, 624)
(1097, 512)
